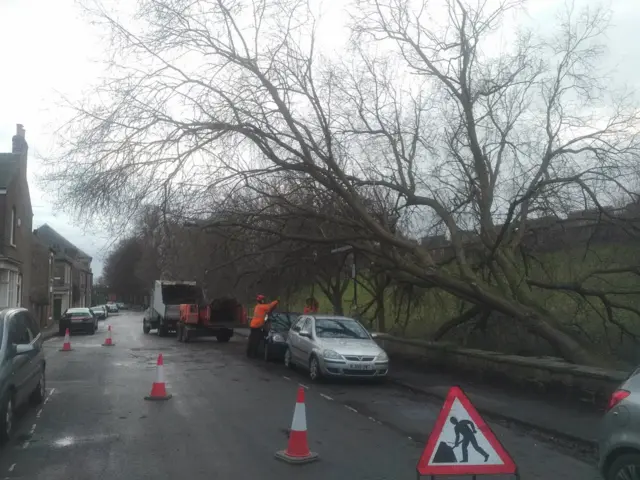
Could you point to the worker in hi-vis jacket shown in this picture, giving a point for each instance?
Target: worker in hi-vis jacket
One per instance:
(257, 322)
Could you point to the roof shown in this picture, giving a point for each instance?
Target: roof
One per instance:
(9, 163)
(54, 239)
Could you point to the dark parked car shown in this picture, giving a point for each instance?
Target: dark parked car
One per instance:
(100, 312)
(276, 331)
(112, 307)
(76, 319)
(22, 365)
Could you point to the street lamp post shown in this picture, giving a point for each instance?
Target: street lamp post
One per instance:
(313, 283)
(349, 248)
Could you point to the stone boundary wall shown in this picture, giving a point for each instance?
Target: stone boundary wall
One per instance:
(543, 374)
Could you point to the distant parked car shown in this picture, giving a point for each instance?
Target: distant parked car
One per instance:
(276, 332)
(100, 311)
(619, 443)
(78, 319)
(22, 365)
(122, 306)
(112, 307)
(332, 346)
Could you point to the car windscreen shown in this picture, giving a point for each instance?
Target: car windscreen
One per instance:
(281, 322)
(77, 314)
(340, 328)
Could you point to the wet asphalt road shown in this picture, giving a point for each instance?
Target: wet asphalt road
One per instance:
(225, 421)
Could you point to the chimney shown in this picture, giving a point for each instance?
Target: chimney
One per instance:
(19, 144)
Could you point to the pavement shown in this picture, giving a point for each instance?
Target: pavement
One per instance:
(227, 417)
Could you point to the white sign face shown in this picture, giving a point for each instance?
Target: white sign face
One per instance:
(463, 442)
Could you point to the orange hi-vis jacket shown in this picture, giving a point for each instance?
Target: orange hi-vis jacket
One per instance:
(260, 313)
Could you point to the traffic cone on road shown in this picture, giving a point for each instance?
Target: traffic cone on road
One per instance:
(66, 346)
(297, 451)
(108, 342)
(158, 389)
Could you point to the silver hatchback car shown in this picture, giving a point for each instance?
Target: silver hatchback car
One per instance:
(619, 442)
(332, 346)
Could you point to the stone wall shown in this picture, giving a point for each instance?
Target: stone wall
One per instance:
(542, 374)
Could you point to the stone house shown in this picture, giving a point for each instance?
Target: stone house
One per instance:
(72, 275)
(16, 218)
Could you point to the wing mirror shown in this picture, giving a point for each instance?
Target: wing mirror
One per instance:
(375, 335)
(305, 334)
(22, 349)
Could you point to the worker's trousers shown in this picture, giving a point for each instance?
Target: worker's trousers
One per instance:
(253, 344)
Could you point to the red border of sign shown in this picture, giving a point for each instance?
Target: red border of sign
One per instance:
(423, 467)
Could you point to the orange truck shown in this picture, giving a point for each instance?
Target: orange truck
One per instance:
(217, 318)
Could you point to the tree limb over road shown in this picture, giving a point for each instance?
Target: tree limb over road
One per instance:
(218, 102)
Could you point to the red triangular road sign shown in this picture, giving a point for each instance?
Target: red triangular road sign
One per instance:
(485, 454)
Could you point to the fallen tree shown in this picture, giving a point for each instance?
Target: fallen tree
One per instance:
(459, 139)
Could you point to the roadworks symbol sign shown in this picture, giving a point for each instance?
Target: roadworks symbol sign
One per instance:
(461, 443)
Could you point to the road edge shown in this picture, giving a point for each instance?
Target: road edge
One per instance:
(484, 411)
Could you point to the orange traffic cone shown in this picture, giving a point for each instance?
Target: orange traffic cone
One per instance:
(108, 342)
(66, 346)
(297, 451)
(158, 389)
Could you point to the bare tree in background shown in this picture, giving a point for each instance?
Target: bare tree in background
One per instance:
(217, 97)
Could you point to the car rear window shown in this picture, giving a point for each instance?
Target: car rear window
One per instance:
(78, 314)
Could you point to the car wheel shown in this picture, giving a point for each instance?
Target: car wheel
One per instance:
(288, 361)
(6, 418)
(146, 328)
(314, 369)
(38, 395)
(625, 467)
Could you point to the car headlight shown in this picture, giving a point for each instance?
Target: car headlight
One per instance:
(331, 354)
(276, 337)
(382, 357)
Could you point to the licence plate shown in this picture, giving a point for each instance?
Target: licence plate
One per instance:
(77, 320)
(359, 366)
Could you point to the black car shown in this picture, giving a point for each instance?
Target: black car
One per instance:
(22, 365)
(76, 319)
(276, 330)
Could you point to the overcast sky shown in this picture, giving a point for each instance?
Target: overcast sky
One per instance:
(47, 47)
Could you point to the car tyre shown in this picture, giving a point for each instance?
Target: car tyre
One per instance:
(627, 464)
(39, 394)
(288, 361)
(315, 374)
(6, 418)
(146, 328)
(223, 337)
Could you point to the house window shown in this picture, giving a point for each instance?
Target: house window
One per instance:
(14, 221)
(13, 289)
(4, 288)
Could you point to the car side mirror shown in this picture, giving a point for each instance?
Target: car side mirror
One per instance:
(375, 335)
(22, 349)
(305, 334)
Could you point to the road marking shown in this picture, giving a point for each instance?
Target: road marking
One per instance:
(286, 378)
(326, 396)
(25, 444)
(33, 428)
(39, 413)
(12, 467)
(351, 408)
(304, 386)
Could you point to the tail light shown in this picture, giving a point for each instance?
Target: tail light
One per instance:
(617, 397)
